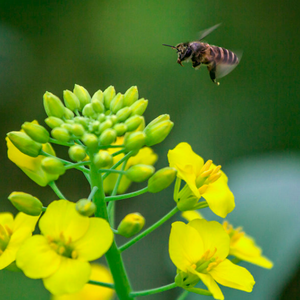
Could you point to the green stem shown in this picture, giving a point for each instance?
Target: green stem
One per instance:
(56, 190)
(118, 152)
(126, 196)
(44, 208)
(150, 229)
(76, 165)
(111, 171)
(54, 141)
(154, 291)
(92, 193)
(176, 189)
(183, 295)
(105, 284)
(113, 255)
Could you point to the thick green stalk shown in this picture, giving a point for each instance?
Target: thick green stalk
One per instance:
(113, 255)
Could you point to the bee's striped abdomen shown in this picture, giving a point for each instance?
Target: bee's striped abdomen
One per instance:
(222, 55)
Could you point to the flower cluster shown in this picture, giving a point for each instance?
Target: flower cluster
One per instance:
(109, 142)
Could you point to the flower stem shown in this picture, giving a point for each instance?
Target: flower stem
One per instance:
(150, 229)
(154, 291)
(126, 196)
(113, 255)
(105, 284)
(56, 190)
(183, 295)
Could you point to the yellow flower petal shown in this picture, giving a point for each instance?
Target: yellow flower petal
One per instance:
(23, 220)
(36, 258)
(70, 277)
(246, 249)
(213, 236)
(211, 285)
(185, 245)
(96, 241)
(191, 215)
(60, 218)
(219, 197)
(6, 219)
(231, 275)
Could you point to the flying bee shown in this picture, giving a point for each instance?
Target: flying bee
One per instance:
(219, 61)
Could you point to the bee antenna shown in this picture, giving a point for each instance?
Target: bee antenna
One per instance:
(170, 46)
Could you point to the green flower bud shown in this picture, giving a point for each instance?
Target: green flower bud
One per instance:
(67, 126)
(113, 118)
(90, 140)
(139, 107)
(120, 129)
(135, 141)
(53, 106)
(83, 95)
(186, 280)
(123, 114)
(139, 173)
(71, 100)
(107, 137)
(134, 122)
(53, 122)
(26, 203)
(24, 143)
(98, 106)
(105, 125)
(161, 179)
(69, 115)
(61, 134)
(98, 96)
(103, 160)
(101, 118)
(157, 120)
(117, 103)
(157, 133)
(131, 96)
(53, 165)
(88, 111)
(81, 120)
(94, 126)
(109, 94)
(77, 153)
(37, 132)
(131, 225)
(86, 207)
(77, 130)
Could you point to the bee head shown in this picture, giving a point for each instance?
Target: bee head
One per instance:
(184, 52)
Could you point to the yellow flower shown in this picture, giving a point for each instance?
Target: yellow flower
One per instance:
(61, 253)
(91, 291)
(202, 180)
(244, 248)
(31, 166)
(241, 246)
(199, 250)
(145, 156)
(13, 232)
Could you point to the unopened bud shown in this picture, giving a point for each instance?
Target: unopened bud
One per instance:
(139, 173)
(88, 110)
(131, 96)
(134, 122)
(26, 203)
(161, 179)
(77, 130)
(53, 122)
(24, 143)
(82, 94)
(81, 120)
(61, 134)
(53, 165)
(77, 153)
(120, 129)
(85, 207)
(107, 137)
(109, 94)
(71, 100)
(98, 96)
(139, 107)
(123, 114)
(90, 140)
(135, 141)
(105, 125)
(157, 133)
(53, 106)
(131, 225)
(117, 103)
(37, 132)
(69, 115)
(103, 160)
(98, 106)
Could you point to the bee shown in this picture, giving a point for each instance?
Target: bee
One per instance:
(219, 61)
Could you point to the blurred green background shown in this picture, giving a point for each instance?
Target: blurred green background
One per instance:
(51, 45)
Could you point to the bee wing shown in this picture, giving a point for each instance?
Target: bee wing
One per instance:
(223, 69)
(206, 32)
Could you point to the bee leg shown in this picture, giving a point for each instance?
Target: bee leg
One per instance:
(212, 73)
(196, 64)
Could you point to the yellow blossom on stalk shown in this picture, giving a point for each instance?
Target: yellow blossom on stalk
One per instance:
(199, 250)
(145, 156)
(242, 246)
(91, 291)
(31, 166)
(13, 232)
(60, 255)
(202, 180)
